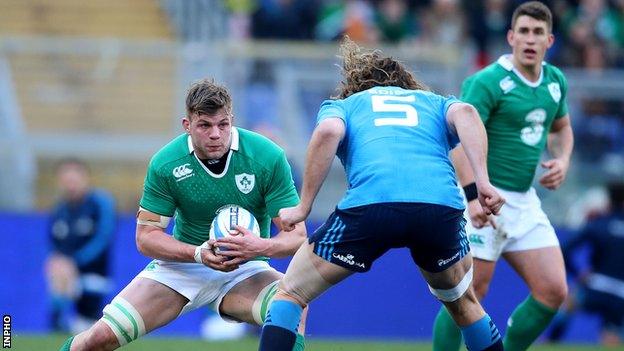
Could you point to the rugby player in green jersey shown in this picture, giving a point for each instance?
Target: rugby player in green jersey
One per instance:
(212, 165)
(522, 102)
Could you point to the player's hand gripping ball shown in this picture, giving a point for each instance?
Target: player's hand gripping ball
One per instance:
(227, 218)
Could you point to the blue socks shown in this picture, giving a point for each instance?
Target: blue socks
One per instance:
(482, 335)
(279, 332)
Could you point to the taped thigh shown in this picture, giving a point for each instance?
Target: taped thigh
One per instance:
(124, 320)
(450, 295)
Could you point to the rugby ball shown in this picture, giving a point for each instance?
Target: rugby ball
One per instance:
(228, 217)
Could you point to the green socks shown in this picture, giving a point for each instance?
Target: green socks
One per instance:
(299, 343)
(526, 323)
(446, 334)
(67, 345)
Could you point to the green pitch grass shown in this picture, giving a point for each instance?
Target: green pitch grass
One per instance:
(53, 342)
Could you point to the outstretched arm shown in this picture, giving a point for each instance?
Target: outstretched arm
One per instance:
(464, 119)
(321, 152)
(477, 216)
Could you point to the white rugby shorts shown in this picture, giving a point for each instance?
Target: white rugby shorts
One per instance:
(203, 286)
(521, 225)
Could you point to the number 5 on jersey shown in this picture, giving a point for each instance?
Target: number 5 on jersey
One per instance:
(399, 104)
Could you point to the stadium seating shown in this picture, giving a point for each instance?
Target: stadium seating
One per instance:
(93, 18)
(93, 74)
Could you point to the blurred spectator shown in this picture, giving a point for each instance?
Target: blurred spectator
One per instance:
(594, 55)
(395, 21)
(354, 18)
(600, 128)
(81, 232)
(487, 20)
(592, 31)
(587, 23)
(443, 23)
(239, 21)
(618, 20)
(601, 289)
(261, 102)
(284, 19)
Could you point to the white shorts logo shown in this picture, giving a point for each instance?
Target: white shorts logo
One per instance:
(182, 172)
(245, 182)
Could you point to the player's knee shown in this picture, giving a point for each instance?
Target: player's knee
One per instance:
(123, 320)
(553, 295)
(100, 337)
(303, 289)
(454, 293)
(298, 296)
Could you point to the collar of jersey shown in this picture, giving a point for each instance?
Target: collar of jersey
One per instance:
(507, 64)
(233, 147)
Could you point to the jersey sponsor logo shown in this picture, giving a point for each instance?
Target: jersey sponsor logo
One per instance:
(532, 134)
(182, 172)
(348, 259)
(506, 84)
(245, 182)
(555, 91)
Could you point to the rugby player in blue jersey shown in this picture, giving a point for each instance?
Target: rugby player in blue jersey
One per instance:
(393, 137)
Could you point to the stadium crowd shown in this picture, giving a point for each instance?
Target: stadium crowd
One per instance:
(590, 32)
(590, 36)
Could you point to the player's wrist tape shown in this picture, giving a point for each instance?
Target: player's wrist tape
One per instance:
(470, 191)
(198, 253)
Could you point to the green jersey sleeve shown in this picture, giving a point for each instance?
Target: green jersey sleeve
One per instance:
(479, 94)
(281, 191)
(156, 194)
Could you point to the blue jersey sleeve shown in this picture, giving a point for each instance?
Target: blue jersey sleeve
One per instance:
(581, 238)
(452, 137)
(105, 228)
(332, 109)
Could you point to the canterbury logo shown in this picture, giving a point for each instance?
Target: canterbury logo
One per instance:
(182, 172)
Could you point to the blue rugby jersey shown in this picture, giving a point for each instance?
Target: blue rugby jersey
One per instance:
(604, 235)
(84, 230)
(396, 147)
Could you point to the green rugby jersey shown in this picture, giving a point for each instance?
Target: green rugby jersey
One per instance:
(257, 177)
(517, 115)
